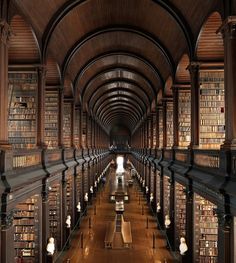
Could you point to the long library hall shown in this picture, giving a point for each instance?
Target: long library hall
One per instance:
(118, 131)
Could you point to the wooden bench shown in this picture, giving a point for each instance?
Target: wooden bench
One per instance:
(126, 233)
(110, 231)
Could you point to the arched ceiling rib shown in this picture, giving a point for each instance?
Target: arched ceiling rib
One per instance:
(117, 119)
(118, 108)
(118, 88)
(116, 56)
(111, 100)
(118, 59)
(108, 31)
(117, 75)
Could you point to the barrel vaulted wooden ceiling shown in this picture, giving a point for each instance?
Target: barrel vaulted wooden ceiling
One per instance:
(115, 56)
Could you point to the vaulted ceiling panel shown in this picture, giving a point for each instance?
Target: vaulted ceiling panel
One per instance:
(115, 56)
(23, 46)
(40, 11)
(119, 41)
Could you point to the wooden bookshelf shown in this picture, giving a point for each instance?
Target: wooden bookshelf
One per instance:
(169, 124)
(69, 192)
(78, 185)
(158, 186)
(77, 129)
(184, 117)
(51, 118)
(166, 190)
(22, 109)
(212, 109)
(160, 119)
(154, 131)
(54, 202)
(180, 215)
(26, 230)
(86, 182)
(84, 130)
(152, 182)
(67, 124)
(205, 231)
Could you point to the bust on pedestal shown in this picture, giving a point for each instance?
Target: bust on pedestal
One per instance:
(86, 202)
(50, 250)
(78, 213)
(68, 226)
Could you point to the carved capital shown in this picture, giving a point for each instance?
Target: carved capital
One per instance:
(5, 31)
(228, 28)
(45, 195)
(42, 71)
(224, 219)
(193, 67)
(7, 219)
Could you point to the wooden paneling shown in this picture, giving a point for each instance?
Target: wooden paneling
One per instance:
(168, 86)
(195, 12)
(39, 12)
(23, 45)
(210, 45)
(52, 73)
(182, 73)
(68, 88)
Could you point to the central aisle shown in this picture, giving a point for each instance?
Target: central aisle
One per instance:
(101, 212)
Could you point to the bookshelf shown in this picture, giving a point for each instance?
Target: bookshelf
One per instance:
(54, 204)
(84, 129)
(51, 118)
(86, 182)
(152, 182)
(160, 118)
(26, 230)
(78, 185)
(212, 108)
(169, 124)
(69, 192)
(205, 231)
(166, 183)
(180, 215)
(76, 129)
(184, 117)
(67, 124)
(22, 109)
(158, 186)
(154, 131)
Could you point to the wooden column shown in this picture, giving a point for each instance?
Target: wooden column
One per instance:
(5, 31)
(41, 107)
(7, 236)
(45, 220)
(5, 148)
(229, 35)
(225, 230)
(189, 224)
(195, 85)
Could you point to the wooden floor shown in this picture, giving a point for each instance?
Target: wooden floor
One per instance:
(101, 212)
